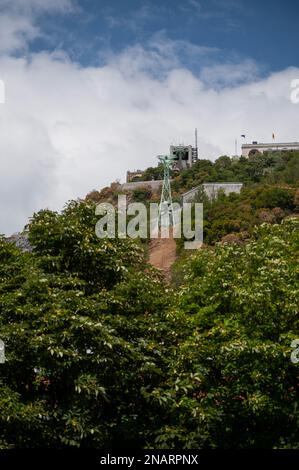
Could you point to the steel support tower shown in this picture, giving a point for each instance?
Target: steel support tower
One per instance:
(166, 207)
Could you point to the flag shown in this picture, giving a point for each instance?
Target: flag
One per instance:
(273, 136)
(243, 135)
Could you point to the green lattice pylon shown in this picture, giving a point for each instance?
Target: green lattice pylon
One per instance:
(166, 206)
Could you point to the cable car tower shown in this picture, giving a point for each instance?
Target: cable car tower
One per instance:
(165, 213)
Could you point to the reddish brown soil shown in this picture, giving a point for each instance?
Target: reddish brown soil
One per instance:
(162, 255)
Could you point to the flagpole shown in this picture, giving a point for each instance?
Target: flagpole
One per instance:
(273, 140)
(243, 136)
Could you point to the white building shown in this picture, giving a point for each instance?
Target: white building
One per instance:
(256, 148)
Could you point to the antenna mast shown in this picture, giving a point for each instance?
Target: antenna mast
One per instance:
(195, 149)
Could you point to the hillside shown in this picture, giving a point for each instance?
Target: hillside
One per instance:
(270, 194)
(101, 353)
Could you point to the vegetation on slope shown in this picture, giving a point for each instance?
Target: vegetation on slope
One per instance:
(230, 381)
(270, 193)
(101, 353)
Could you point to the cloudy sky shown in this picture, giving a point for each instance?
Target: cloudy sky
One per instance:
(96, 87)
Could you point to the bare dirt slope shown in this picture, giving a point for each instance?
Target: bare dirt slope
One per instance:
(162, 254)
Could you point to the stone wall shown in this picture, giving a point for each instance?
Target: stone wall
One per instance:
(212, 190)
(154, 185)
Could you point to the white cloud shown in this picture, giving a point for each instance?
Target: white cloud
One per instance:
(65, 129)
(16, 32)
(18, 21)
(29, 6)
(221, 75)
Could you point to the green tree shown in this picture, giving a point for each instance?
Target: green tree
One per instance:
(81, 320)
(275, 197)
(231, 383)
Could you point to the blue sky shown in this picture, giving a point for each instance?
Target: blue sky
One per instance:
(95, 88)
(265, 31)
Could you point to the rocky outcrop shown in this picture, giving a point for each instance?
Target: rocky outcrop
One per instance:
(21, 241)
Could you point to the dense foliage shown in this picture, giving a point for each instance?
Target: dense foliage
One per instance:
(239, 214)
(270, 193)
(269, 168)
(231, 382)
(78, 320)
